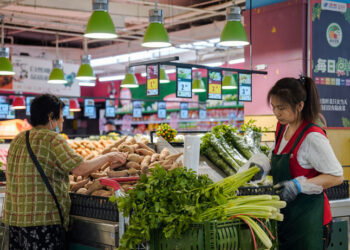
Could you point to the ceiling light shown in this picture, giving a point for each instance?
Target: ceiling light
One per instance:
(229, 82)
(233, 33)
(198, 84)
(5, 64)
(19, 103)
(156, 35)
(130, 80)
(91, 83)
(57, 75)
(100, 25)
(236, 61)
(163, 76)
(74, 105)
(85, 71)
(111, 78)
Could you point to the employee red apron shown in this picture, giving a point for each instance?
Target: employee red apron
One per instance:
(302, 227)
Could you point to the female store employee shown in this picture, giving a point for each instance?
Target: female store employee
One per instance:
(303, 164)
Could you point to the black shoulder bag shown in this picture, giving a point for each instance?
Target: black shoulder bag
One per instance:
(49, 187)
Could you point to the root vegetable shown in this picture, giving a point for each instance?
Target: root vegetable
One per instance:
(132, 164)
(79, 184)
(114, 145)
(130, 141)
(146, 161)
(134, 157)
(98, 175)
(144, 151)
(134, 146)
(96, 185)
(79, 178)
(173, 157)
(164, 153)
(71, 178)
(144, 146)
(115, 165)
(81, 191)
(155, 157)
(102, 192)
(125, 148)
(144, 169)
(133, 171)
(88, 184)
(122, 173)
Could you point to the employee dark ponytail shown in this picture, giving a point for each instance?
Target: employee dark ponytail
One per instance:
(293, 91)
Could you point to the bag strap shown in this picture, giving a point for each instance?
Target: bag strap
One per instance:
(43, 176)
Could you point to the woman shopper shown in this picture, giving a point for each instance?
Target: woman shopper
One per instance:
(30, 210)
(303, 164)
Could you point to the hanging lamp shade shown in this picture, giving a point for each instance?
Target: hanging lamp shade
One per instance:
(6, 68)
(130, 80)
(19, 103)
(74, 105)
(100, 24)
(233, 33)
(57, 75)
(85, 71)
(198, 84)
(163, 76)
(229, 81)
(156, 35)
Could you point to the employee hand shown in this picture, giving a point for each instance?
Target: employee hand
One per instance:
(262, 162)
(288, 190)
(116, 159)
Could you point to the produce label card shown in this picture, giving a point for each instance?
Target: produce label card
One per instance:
(29, 100)
(245, 87)
(152, 87)
(183, 110)
(184, 82)
(65, 111)
(214, 85)
(202, 112)
(137, 109)
(110, 108)
(89, 108)
(161, 110)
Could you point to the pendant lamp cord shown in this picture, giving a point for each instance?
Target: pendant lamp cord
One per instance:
(251, 34)
(56, 45)
(2, 31)
(85, 46)
(156, 4)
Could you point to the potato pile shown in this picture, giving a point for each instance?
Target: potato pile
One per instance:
(140, 159)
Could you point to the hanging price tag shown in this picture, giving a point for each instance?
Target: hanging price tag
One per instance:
(184, 82)
(183, 110)
(137, 109)
(161, 110)
(29, 100)
(214, 85)
(245, 87)
(110, 108)
(65, 111)
(89, 108)
(152, 86)
(202, 112)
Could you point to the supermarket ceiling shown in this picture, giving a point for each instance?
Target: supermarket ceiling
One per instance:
(36, 22)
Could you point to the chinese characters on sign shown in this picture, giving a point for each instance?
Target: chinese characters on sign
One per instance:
(184, 82)
(214, 85)
(245, 87)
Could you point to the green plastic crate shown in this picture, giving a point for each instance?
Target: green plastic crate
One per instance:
(215, 235)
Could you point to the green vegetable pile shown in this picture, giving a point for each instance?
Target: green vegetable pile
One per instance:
(171, 201)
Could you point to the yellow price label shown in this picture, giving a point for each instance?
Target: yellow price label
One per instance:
(214, 88)
(152, 83)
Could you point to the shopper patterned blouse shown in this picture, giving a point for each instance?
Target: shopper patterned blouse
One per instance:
(28, 201)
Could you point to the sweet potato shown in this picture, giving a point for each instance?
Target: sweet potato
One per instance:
(155, 157)
(134, 157)
(125, 148)
(133, 171)
(96, 185)
(173, 157)
(142, 145)
(146, 161)
(164, 153)
(81, 191)
(117, 164)
(79, 184)
(102, 192)
(98, 175)
(130, 141)
(134, 146)
(144, 169)
(122, 173)
(132, 164)
(114, 145)
(88, 184)
(144, 151)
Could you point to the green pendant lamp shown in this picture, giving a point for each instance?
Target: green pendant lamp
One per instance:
(130, 80)
(100, 25)
(229, 81)
(156, 35)
(163, 76)
(5, 64)
(198, 84)
(57, 75)
(85, 72)
(233, 33)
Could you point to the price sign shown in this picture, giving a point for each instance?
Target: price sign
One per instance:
(245, 87)
(4, 109)
(137, 109)
(184, 82)
(89, 108)
(152, 86)
(65, 111)
(29, 100)
(110, 108)
(202, 112)
(161, 110)
(214, 85)
(184, 110)
(11, 113)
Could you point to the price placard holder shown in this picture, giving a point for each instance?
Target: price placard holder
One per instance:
(183, 110)
(161, 106)
(110, 108)
(244, 87)
(214, 85)
(89, 108)
(137, 109)
(152, 80)
(65, 111)
(183, 82)
(202, 111)
(29, 100)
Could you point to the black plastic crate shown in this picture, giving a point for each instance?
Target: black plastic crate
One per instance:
(256, 190)
(97, 207)
(338, 192)
(2, 176)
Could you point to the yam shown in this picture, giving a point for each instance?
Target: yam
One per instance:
(130, 141)
(115, 145)
(144, 169)
(134, 157)
(134, 146)
(98, 175)
(164, 153)
(144, 146)
(113, 174)
(96, 185)
(146, 161)
(116, 164)
(173, 157)
(144, 151)
(81, 191)
(88, 184)
(155, 157)
(79, 184)
(132, 164)
(125, 148)
(133, 171)
(102, 192)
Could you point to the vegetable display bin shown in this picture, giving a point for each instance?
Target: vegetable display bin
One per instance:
(215, 235)
(338, 192)
(339, 238)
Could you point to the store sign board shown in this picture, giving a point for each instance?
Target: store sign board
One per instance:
(161, 110)
(183, 82)
(202, 111)
(32, 75)
(184, 110)
(29, 100)
(152, 85)
(4, 109)
(137, 109)
(89, 108)
(110, 108)
(245, 87)
(214, 85)
(330, 60)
